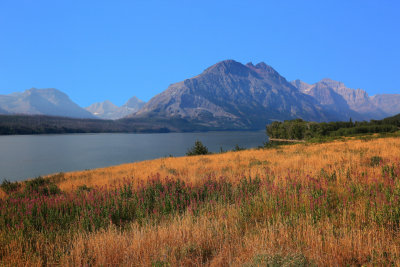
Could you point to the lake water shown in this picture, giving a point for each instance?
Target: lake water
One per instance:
(27, 156)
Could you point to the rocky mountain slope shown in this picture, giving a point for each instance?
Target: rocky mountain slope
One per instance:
(235, 96)
(328, 98)
(337, 97)
(107, 110)
(42, 101)
(389, 103)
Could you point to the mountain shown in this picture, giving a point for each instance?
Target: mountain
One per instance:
(389, 103)
(327, 97)
(230, 95)
(42, 101)
(107, 110)
(104, 110)
(357, 99)
(345, 101)
(131, 106)
(302, 86)
(226, 96)
(134, 103)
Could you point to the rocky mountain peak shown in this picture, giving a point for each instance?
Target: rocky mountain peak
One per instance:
(267, 72)
(228, 67)
(108, 103)
(134, 102)
(265, 67)
(302, 86)
(261, 66)
(332, 83)
(250, 65)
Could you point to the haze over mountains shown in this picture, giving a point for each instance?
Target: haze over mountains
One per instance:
(107, 110)
(42, 101)
(345, 101)
(227, 95)
(56, 103)
(389, 103)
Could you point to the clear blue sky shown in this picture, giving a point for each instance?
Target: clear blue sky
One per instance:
(97, 50)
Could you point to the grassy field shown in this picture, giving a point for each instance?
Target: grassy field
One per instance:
(334, 203)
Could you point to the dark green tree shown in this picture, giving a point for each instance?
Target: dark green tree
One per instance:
(198, 149)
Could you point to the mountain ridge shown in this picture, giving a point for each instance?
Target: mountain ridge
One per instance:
(107, 110)
(335, 95)
(48, 101)
(245, 96)
(227, 95)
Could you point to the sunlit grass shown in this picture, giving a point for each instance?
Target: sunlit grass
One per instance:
(324, 204)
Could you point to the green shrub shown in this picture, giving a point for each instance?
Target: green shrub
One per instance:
(56, 178)
(34, 185)
(41, 186)
(54, 190)
(375, 161)
(198, 149)
(9, 187)
(238, 148)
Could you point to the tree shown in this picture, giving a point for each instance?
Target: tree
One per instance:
(198, 149)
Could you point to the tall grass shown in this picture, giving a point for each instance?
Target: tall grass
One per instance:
(325, 204)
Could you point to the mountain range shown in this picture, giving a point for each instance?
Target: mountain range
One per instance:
(232, 95)
(227, 95)
(48, 101)
(335, 96)
(107, 110)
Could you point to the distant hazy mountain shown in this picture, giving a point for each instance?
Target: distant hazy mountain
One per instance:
(328, 98)
(107, 110)
(389, 103)
(132, 105)
(337, 97)
(42, 101)
(232, 95)
(104, 110)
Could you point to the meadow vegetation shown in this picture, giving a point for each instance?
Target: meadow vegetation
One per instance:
(334, 203)
(299, 129)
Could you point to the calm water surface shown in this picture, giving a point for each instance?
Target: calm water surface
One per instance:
(26, 156)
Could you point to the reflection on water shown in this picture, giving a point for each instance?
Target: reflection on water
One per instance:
(28, 156)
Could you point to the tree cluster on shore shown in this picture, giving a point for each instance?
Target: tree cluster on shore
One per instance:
(299, 129)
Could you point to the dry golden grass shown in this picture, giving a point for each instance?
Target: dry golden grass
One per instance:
(222, 235)
(299, 159)
(218, 239)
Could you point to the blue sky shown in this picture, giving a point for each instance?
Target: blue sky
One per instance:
(97, 50)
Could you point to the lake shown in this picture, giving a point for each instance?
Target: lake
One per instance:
(28, 156)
